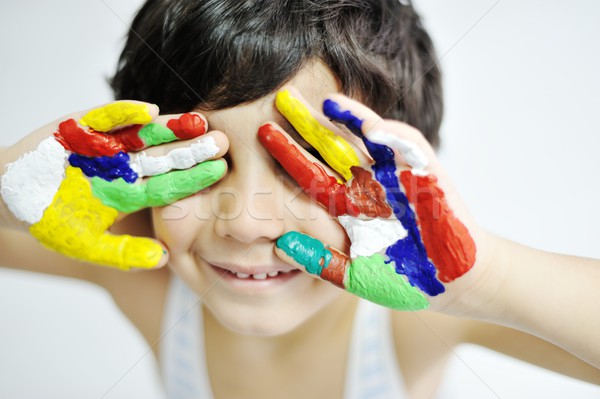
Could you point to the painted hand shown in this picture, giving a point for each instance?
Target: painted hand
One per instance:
(47, 188)
(407, 245)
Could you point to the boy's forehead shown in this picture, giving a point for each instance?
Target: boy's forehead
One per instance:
(314, 81)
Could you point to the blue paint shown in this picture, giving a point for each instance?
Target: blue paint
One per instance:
(409, 254)
(335, 112)
(107, 168)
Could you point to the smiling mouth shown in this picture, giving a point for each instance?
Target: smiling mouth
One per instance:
(256, 276)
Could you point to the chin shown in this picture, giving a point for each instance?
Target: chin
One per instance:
(260, 322)
(271, 315)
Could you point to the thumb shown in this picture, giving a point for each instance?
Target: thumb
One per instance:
(312, 256)
(369, 277)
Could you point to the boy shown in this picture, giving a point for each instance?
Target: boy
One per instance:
(235, 314)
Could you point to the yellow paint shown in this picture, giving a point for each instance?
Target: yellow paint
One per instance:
(76, 224)
(116, 114)
(336, 151)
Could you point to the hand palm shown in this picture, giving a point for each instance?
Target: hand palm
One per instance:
(71, 214)
(406, 241)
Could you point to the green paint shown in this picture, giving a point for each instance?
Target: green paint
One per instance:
(158, 190)
(155, 134)
(377, 281)
(307, 251)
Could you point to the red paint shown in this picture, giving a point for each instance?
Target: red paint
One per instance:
(367, 194)
(187, 126)
(128, 136)
(90, 143)
(447, 240)
(311, 176)
(336, 269)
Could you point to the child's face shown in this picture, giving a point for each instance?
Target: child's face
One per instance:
(233, 225)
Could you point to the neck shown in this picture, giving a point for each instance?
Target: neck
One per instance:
(266, 367)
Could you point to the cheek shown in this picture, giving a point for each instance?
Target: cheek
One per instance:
(178, 224)
(317, 222)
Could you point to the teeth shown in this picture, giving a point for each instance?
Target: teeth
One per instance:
(257, 276)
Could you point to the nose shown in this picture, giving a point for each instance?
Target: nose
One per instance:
(249, 206)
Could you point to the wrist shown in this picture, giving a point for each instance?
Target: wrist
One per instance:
(478, 294)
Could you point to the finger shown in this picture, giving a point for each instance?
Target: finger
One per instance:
(371, 278)
(318, 132)
(412, 154)
(169, 128)
(75, 225)
(312, 256)
(119, 114)
(414, 149)
(358, 119)
(182, 155)
(92, 143)
(126, 252)
(159, 190)
(310, 175)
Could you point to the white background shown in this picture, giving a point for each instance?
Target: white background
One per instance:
(520, 135)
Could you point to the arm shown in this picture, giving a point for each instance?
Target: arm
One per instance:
(554, 297)
(528, 348)
(414, 244)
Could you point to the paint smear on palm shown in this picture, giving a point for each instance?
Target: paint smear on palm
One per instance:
(81, 231)
(436, 237)
(362, 196)
(433, 249)
(336, 151)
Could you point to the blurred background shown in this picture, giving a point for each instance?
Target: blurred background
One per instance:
(520, 140)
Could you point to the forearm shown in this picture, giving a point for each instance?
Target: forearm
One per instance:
(552, 296)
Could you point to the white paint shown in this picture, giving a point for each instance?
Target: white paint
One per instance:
(371, 236)
(180, 158)
(31, 182)
(412, 153)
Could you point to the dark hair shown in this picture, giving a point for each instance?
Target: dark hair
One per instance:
(214, 54)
